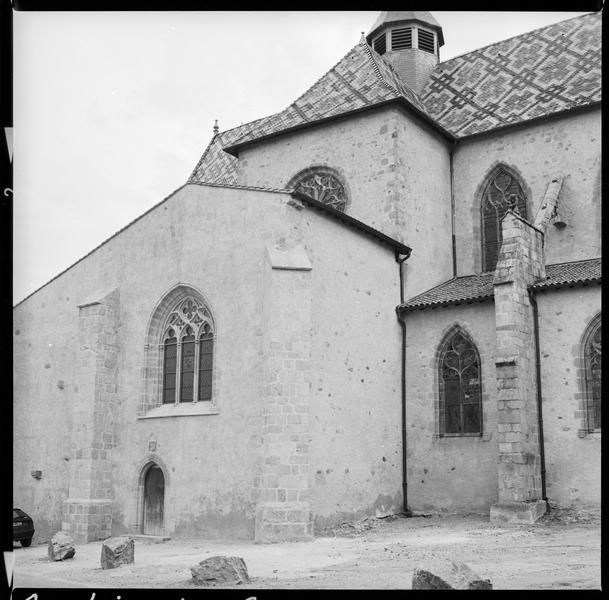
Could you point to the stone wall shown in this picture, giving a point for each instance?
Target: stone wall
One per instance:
(397, 173)
(211, 455)
(573, 458)
(452, 473)
(568, 145)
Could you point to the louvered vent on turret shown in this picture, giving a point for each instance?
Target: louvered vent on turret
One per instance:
(426, 41)
(380, 44)
(401, 38)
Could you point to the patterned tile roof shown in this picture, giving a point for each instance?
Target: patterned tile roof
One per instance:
(474, 288)
(545, 71)
(541, 72)
(360, 79)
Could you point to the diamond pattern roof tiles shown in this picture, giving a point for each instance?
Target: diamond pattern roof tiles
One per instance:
(545, 71)
(360, 79)
(472, 288)
(549, 70)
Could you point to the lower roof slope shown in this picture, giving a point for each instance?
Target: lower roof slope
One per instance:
(477, 288)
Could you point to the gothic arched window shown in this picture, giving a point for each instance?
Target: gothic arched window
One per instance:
(188, 353)
(502, 193)
(322, 184)
(592, 364)
(460, 386)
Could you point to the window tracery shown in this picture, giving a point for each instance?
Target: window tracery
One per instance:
(502, 193)
(460, 387)
(188, 351)
(592, 361)
(322, 185)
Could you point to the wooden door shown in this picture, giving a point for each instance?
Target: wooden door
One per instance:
(154, 496)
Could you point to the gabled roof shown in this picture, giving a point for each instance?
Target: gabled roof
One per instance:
(543, 72)
(361, 79)
(478, 288)
(549, 70)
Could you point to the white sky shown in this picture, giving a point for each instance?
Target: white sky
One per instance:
(113, 110)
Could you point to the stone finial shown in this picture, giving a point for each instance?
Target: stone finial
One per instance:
(216, 128)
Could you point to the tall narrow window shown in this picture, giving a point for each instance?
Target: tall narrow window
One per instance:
(502, 193)
(460, 389)
(169, 367)
(592, 360)
(188, 353)
(187, 375)
(206, 351)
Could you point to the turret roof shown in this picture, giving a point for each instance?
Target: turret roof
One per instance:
(392, 17)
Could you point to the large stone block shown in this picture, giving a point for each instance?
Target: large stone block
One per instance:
(117, 551)
(61, 546)
(218, 570)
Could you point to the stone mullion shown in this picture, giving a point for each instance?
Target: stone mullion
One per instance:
(195, 381)
(178, 370)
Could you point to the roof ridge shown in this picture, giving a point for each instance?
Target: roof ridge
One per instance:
(377, 69)
(324, 75)
(514, 37)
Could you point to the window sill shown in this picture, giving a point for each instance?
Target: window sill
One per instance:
(589, 435)
(184, 409)
(485, 437)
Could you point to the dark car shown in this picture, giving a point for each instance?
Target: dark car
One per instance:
(23, 527)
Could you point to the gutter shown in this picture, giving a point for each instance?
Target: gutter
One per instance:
(400, 259)
(542, 453)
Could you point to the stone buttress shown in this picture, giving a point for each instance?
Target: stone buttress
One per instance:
(520, 264)
(87, 512)
(283, 510)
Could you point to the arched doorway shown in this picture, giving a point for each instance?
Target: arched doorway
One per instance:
(154, 499)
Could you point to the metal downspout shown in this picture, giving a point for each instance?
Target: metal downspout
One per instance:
(400, 259)
(542, 454)
(452, 209)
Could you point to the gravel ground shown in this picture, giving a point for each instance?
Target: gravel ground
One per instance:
(560, 552)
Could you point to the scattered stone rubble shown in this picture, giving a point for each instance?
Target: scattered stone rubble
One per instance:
(458, 577)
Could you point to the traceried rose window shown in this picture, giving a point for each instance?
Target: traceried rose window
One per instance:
(460, 389)
(187, 353)
(322, 185)
(502, 193)
(592, 359)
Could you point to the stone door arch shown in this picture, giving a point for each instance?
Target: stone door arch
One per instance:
(152, 499)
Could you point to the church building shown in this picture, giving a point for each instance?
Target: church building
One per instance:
(385, 298)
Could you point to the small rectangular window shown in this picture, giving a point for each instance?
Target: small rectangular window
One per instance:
(401, 38)
(426, 41)
(380, 44)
